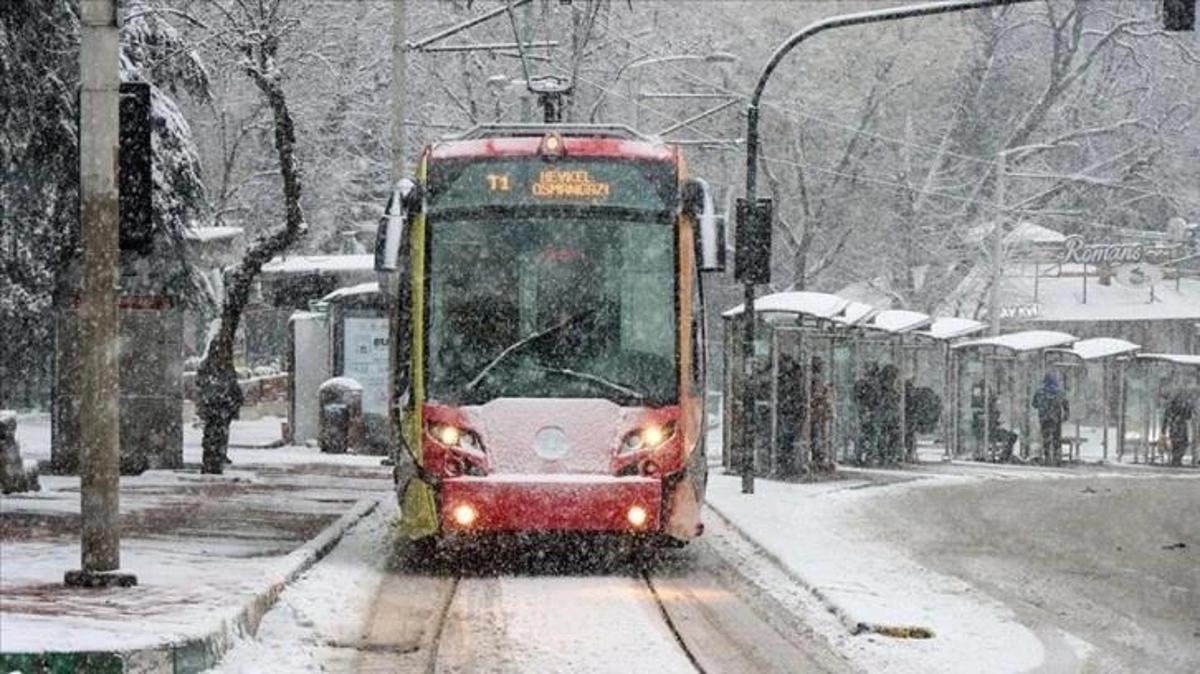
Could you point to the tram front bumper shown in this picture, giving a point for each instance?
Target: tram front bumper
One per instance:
(530, 503)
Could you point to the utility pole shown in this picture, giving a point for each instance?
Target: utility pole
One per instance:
(99, 432)
(399, 68)
(998, 243)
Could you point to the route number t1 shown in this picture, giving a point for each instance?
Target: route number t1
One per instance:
(498, 182)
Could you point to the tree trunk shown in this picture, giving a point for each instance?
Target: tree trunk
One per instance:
(220, 396)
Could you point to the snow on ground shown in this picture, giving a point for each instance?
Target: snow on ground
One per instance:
(323, 610)
(184, 588)
(201, 546)
(811, 530)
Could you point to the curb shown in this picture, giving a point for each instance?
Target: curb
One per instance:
(197, 653)
(852, 624)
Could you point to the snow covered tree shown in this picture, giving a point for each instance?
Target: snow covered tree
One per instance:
(39, 170)
(249, 37)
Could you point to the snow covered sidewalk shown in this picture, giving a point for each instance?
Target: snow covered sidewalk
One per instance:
(211, 553)
(811, 530)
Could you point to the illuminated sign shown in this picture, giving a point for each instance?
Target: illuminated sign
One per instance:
(535, 182)
(553, 184)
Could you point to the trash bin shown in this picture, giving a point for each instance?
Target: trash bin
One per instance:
(341, 418)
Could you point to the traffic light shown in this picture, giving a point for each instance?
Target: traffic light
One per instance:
(135, 174)
(1179, 15)
(752, 258)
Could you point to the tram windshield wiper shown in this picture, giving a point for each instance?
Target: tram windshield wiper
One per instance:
(520, 343)
(595, 379)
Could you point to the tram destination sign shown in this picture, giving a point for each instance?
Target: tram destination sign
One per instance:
(536, 182)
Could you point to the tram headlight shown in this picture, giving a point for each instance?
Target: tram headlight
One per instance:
(453, 436)
(637, 516)
(647, 437)
(465, 515)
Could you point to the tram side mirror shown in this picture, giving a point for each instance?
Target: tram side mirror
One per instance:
(696, 202)
(405, 200)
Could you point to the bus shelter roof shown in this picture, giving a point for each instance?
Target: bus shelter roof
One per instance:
(799, 302)
(1099, 348)
(899, 321)
(854, 313)
(952, 327)
(369, 288)
(1176, 358)
(1020, 342)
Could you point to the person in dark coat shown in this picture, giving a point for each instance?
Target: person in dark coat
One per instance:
(790, 414)
(922, 409)
(891, 440)
(1176, 414)
(820, 412)
(866, 400)
(1051, 405)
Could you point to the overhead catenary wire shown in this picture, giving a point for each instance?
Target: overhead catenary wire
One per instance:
(795, 111)
(829, 171)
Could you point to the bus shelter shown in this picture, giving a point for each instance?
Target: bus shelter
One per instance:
(1160, 398)
(1088, 367)
(933, 365)
(791, 412)
(1002, 375)
(883, 379)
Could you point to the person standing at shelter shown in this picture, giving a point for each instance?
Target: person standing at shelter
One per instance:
(790, 415)
(820, 411)
(1053, 410)
(891, 433)
(866, 401)
(1176, 415)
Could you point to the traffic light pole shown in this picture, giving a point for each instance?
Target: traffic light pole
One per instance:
(99, 213)
(744, 434)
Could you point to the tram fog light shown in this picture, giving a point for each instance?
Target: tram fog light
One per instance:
(465, 515)
(637, 516)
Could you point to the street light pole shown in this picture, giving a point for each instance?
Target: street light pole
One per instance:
(99, 226)
(742, 437)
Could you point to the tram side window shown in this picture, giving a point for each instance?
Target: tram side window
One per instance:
(647, 270)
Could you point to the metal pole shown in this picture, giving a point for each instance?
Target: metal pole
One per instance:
(997, 246)
(744, 437)
(99, 333)
(399, 78)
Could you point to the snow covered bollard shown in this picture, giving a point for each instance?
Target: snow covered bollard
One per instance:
(341, 420)
(15, 474)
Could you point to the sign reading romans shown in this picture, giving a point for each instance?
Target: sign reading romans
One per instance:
(1078, 251)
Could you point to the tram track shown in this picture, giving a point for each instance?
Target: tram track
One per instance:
(671, 626)
(697, 612)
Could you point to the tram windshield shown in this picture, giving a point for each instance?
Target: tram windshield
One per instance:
(551, 308)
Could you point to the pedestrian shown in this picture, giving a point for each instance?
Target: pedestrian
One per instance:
(891, 441)
(1053, 410)
(1176, 415)
(820, 412)
(922, 409)
(866, 404)
(789, 416)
